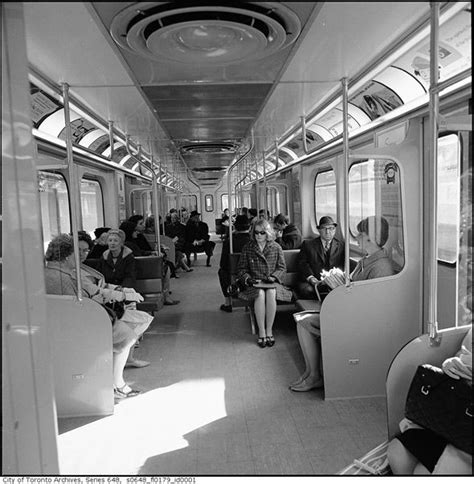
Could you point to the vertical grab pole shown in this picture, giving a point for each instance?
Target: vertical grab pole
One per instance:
(265, 204)
(74, 189)
(433, 164)
(156, 205)
(229, 198)
(111, 139)
(345, 138)
(257, 188)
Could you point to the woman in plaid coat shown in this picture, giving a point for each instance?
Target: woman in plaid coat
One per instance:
(262, 260)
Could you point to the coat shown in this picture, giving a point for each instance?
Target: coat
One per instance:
(255, 264)
(312, 260)
(290, 238)
(375, 265)
(199, 231)
(239, 239)
(123, 272)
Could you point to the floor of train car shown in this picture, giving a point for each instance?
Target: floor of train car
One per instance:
(213, 402)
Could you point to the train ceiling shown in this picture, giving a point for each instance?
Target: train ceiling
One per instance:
(195, 77)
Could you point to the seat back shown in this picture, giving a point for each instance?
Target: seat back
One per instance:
(81, 347)
(291, 261)
(220, 229)
(149, 273)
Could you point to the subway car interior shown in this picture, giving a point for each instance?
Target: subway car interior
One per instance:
(190, 114)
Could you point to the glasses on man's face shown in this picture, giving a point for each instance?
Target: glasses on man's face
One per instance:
(84, 251)
(328, 229)
(260, 232)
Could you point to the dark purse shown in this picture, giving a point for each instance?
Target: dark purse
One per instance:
(441, 404)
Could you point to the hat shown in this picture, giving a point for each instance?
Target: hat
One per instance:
(194, 213)
(326, 221)
(100, 230)
(242, 222)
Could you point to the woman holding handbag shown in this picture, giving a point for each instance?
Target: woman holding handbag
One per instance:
(418, 450)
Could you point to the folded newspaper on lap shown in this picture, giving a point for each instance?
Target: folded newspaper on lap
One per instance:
(333, 278)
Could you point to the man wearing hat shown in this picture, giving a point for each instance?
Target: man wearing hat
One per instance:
(196, 236)
(322, 252)
(240, 237)
(100, 243)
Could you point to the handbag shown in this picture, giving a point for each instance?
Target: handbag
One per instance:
(441, 404)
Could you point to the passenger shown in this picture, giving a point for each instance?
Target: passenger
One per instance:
(253, 215)
(262, 215)
(93, 282)
(129, 230)
(175, 231)
(60, 279)
(288, 234)
(100, 243)
(420, 451)
(372, 236)
(131, 240)
(184, 215)
(196, 236)
(226, 221)
(262, 260)
(240, 237)
(323, 252)
(141, 240)
(117, 263)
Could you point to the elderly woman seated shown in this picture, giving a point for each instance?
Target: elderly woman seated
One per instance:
(60, 278)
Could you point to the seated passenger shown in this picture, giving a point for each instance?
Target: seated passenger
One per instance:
(240, 237)
(175, 231)
(117, 263)
(92, 279)
(100, 243)
(197, 237)
(323, 252)
(131, 240)
(420, 451)
(262, 260)
(60, 278)
(288, 234)
(372, 236)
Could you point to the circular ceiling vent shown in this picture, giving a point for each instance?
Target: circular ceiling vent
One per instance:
(205, 32)
(209, 148)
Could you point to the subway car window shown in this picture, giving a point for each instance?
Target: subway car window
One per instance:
(92, 205)
(209, 202)
(375, 189)
(448, 197)
(325, 197)
(225, 202)
(54, 203)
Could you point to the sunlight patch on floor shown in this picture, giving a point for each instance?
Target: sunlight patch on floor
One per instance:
(150, 424)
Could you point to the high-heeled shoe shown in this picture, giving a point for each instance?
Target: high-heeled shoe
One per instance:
(123, 393)
(262, 342)
(270, 341)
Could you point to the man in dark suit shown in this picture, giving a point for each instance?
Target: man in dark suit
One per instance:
(323, 252)
(196, 236)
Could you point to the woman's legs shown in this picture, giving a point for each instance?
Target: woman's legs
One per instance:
(259, 308)
(119, 361)
(401, 461)
(311, 348)
(270, 310)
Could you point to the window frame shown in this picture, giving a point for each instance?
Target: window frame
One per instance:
(317, 215)
(98, 182)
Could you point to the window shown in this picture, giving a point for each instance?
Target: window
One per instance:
(449, 153)
(54, 203)
(92, 205)
(225, 202)
(325, 198)
(209, 203)
(374, 189)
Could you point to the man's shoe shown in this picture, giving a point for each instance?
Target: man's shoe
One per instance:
(227, 309)
(137, 364)
(208, 262)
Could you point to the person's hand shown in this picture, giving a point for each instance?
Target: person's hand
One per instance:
(270, 279)
(456, 369)
(250, 281)
(313, 281)
(131, 295)
(175, 239)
